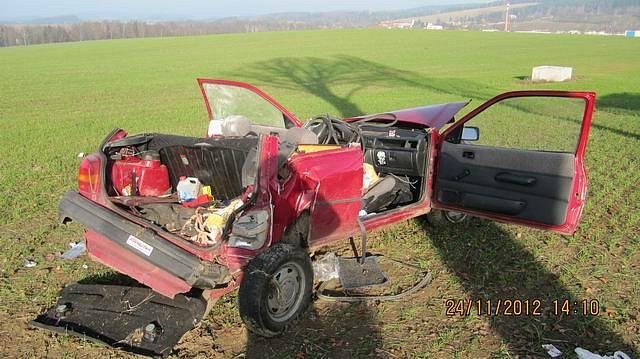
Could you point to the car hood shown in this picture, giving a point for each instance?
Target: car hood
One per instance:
(433, 116)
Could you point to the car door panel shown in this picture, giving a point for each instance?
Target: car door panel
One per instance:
(489, 181)
(532, 187)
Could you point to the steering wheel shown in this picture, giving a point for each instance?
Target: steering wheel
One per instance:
(331, 130)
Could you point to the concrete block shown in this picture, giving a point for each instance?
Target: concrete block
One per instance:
(552, 73)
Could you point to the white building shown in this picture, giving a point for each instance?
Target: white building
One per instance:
(398, 24)
(431, 26)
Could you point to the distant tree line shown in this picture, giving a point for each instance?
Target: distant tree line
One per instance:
(71, 29)
(22, 34)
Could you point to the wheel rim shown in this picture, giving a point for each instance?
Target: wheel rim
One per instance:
(285, 292)
(454, 217)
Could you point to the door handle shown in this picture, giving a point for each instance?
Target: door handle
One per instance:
(468, 154)
(515, 179)
(464, 174)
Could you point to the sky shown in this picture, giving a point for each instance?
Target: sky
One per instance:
(194, 9)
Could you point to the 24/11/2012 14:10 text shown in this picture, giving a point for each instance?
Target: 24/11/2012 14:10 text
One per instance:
(521, 307)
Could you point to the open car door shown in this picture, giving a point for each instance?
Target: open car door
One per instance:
(518, 158)
(225, 98)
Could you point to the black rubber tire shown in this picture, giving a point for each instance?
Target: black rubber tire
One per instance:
(437, 219)
(256, 286)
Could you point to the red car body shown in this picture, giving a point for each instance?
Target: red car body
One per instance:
(327, 185)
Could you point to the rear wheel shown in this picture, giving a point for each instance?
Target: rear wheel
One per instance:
(276, 289)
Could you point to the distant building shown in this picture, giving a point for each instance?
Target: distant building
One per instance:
(431, 26)
(632, 33)
(597, 33)
(398, 24)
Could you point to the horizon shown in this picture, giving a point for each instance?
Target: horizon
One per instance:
(196, 9)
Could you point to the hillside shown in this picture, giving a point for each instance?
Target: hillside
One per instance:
(462, 17)
(611, 16)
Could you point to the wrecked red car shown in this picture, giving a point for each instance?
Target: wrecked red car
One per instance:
(241, 206)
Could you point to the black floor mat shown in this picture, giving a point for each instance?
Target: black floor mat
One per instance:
(135, 319)
(354, 275)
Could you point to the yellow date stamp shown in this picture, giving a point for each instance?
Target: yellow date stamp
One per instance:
(521, 307)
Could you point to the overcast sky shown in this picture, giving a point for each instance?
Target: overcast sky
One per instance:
(194, 9)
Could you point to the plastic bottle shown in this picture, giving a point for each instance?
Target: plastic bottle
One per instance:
(188, 188)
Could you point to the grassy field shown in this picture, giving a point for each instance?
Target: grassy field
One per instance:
(56, 101)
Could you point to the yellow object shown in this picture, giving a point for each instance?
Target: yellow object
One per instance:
(316, 148)
(369, 176)
(218, 219)
(207, 190)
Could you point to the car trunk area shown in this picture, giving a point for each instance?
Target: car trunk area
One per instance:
(144, 173)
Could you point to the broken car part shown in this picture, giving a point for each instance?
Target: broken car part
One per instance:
(136, 319)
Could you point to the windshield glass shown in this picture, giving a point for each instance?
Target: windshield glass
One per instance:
(228, 100)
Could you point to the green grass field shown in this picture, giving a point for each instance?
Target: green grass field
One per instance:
(58, 100)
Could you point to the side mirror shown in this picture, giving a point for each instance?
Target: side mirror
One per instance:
(470, 134)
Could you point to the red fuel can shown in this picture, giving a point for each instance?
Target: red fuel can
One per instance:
(151, 176)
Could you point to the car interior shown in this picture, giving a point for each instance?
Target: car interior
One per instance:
(394, 161)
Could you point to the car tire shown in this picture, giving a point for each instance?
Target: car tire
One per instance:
(276, 289)
(437, 218)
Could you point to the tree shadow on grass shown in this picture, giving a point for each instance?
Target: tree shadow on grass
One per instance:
(621, 101)
(626, 101)
(321, 76)
(492, 265)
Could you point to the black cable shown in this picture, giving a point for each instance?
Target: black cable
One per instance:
(332, 130)
(426, 279)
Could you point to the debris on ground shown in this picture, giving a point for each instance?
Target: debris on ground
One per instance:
(28, 263)
(552, 350)
(585, 354)
(76, 250)
(326, 268)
